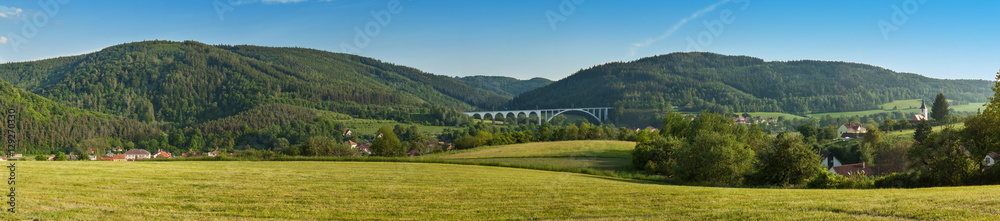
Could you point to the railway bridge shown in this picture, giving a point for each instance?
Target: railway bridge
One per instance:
(598, 113)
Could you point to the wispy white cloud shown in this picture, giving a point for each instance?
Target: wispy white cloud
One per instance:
(674, 28)
(8, 12)
(3, 40)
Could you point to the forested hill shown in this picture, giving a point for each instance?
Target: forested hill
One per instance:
(505, 86)
(744, 84)
(190, 82)
(43, 125)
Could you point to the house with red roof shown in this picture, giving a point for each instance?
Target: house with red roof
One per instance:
(162, 154)
(364, 148)
(853, 170)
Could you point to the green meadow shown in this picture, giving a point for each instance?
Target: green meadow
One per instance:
(247, 190)
(775, 115)
(908, 134)
(587, 154)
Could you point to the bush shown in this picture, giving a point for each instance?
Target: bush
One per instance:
(829, 180)
(41, 157)
(899, 180)
(657, 156)
(786, 162)
(941, 160)
(713, 157)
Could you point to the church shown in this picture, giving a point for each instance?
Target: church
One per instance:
(923, 114)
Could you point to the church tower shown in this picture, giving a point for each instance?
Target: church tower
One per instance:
(923, 109)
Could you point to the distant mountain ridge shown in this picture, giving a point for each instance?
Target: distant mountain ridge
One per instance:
(744, 84)
(505, 86)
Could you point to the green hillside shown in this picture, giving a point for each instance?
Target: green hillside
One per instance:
(744, 84)
(190, 82)
(44, 126)
(505, 86)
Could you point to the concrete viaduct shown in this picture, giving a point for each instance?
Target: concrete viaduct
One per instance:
(598, 113)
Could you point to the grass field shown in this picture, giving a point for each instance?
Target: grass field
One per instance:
(589, 148)
(593, 154)
(968, 108)
(905, 106)
(242, 190)
(775, 115)
(908, 134)
(861, 113)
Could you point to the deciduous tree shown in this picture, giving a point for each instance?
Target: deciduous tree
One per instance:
(386, 143)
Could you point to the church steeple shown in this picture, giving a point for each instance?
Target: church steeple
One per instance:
(923, 109)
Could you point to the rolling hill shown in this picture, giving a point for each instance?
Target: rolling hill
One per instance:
(744, 84)
(190, 82)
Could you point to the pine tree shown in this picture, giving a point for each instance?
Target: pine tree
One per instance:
(940, 109)
(923, 129)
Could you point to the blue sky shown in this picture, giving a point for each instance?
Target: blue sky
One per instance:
(532, 38)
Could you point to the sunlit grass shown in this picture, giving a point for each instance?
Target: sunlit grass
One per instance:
(242, 190)
(908, 134)
(775, 115)
(577, 148)
(585, 154)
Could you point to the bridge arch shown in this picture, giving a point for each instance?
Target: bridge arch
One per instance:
(569, 110)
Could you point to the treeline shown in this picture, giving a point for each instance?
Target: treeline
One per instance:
(711, 149)
(480, 134)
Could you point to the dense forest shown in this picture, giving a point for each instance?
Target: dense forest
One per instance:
(44, 126)
(190, 82)
(505, 86)
(723, 83)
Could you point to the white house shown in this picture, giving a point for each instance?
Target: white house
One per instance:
(990, 159)
(829, 161)
(136, 154)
